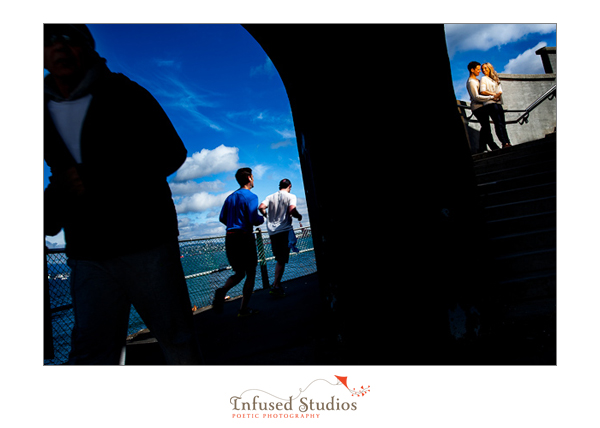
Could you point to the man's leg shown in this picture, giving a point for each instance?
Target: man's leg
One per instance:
(221, 292)
(233, 280)
(497, 116)
(279, 270)
(248, 288)
(101, 310)
(249, 260)
(281, 251)
(158, 290)
(485, 133)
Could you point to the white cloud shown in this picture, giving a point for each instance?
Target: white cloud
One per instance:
(286, 133)
(187, 96)
(168, 63)
(295, 165)
(189, 229)
(267, 69)
(191, 187)
(526, 63)
(465, 37)
(281, 144)
(301, 205)
(259, 170)
(208, 162)
(190, 100)
(200, 202)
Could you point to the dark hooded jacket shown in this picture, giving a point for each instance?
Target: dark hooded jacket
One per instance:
(128, 148)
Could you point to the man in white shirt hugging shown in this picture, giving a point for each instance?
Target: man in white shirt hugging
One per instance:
(477, 100)
(279, 208)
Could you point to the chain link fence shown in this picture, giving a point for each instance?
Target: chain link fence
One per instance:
(206, 268)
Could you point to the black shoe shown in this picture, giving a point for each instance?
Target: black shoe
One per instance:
(219, 300)
(247, 313)
(277, 292)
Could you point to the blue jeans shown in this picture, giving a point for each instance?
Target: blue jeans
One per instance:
(103, 292)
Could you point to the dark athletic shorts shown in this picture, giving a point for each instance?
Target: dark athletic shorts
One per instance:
(240, 248)
(279, 244)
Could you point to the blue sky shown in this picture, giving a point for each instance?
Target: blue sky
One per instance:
(226, 101)
(230, 108)
(510, 48)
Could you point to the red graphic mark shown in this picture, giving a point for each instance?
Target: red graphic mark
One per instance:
(353, 391)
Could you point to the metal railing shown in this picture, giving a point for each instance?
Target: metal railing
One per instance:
(205, 266)
(524, 117)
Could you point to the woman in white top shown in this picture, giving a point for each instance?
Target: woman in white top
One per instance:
(490, 85)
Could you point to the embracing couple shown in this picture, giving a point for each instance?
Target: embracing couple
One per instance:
(486, 104)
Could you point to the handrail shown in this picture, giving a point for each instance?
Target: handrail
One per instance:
(62, 249)
(524, 118)
(203, 259)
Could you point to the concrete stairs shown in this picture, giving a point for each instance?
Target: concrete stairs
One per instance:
(518, 192)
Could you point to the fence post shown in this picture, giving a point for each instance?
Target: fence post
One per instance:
(262, 259)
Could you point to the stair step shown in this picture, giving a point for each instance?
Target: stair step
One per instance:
(518, 192)
(524, 242)
(518, 171)
(519, 195)
(513, 183)
(512, 160)
(520, 224)
(532, 206)
(538, 146)
(531, 308)
(526, 262)
(541, 285)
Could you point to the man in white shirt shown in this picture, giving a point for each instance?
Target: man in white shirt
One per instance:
(279, 208)
(477, 100)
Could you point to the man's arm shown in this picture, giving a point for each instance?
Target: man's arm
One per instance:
(263, 209)
(223, 214)
(255, 218)
(474, 92)
(294, 212)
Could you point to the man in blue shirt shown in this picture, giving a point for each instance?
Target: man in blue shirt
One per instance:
(240, 214)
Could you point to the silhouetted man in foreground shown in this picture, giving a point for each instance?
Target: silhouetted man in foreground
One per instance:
(110, 147)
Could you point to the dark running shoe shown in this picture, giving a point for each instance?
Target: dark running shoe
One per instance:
(277, 292)
(247, 313)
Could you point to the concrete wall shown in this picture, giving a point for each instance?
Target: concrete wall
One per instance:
(519, 91)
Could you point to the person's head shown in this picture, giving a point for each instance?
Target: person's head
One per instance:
(244, 177)
(488, 70)
(69, 50)
(474, 68)
(285, 184)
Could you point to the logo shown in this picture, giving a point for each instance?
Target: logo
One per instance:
(358, 393)
(256, 403)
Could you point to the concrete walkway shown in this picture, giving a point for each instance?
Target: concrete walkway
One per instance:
(294, 330)
(284, 332)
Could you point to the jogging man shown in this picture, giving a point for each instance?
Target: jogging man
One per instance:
(279, 208)
(240, 214)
